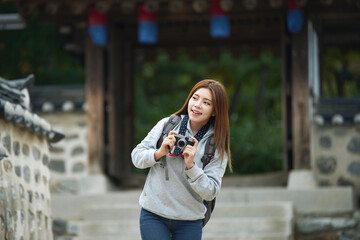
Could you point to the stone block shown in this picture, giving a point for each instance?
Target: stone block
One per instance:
(351, 234)
(317, 200)
(324, 224)
(59, 226)
(95, 184)
(302, 179)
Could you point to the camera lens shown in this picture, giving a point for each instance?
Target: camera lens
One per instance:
(181, 143)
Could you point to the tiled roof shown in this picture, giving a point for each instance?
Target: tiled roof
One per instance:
(15, 108)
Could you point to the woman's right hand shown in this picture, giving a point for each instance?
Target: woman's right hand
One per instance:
(166, 146)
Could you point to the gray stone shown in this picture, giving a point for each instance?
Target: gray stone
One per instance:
(16, 147)
(37, 176)
(65, 238)
(345, 182)
(57, 165)
(2, 152)
(2, 194)
(354, 168)
(54, 149)
(37, 197)
(325, 224)
(30, 196)
(36, 153)
(351, 234)
(9, 221)
(8, 166)
(325, 142)
(21, 191)
(2, 223)
(78, 167)
(301, 179)
(45, 160)
(354, 145)
(72, 228)
(326, 165)
(22, 216)
(59, 226)
(77, 151)
(67, 186)
(27, 174)
(7, 143)
(25, 150)
(71, 136)
(18, 171)
(31, 220)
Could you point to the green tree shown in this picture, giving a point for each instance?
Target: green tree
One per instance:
(341, 72)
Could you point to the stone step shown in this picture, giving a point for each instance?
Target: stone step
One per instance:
(224, 210)
(206, 236)
(72, 206)
(215, 227)
(318, 200)
(254, 210)
(254, 236)
(245, 225)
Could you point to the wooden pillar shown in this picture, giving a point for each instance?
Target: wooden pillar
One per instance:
(128, 114)
(286, 102)
(300, 99)
(120, 100)
(94, 91)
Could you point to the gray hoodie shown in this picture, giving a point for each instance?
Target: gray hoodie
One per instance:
(181, 197)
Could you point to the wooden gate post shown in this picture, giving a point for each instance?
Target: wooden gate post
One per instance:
(94, 91)
(120, 102)
(300, 99)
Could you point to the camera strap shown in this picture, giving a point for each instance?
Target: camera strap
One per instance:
(182, 131)
(171, 124)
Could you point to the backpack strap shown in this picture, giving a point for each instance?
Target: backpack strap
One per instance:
(209, 151)
(208, 155)
(169, 125)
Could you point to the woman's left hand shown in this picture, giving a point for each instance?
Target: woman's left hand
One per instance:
(189, 154)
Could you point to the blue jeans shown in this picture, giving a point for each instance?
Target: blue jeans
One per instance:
(155, 227)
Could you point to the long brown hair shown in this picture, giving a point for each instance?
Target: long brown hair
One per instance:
(221, 118)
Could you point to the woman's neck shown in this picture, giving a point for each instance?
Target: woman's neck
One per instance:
(195, 127)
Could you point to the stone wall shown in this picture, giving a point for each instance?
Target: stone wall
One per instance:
(24, 185)
(335, 149)
(64, 108)
(25, 138)
(68, 158)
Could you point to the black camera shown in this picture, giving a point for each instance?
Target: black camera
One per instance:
(182, 141)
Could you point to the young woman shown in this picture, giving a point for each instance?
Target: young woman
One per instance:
(176, 185)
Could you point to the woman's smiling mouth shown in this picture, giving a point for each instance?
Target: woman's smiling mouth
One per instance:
(196, 112)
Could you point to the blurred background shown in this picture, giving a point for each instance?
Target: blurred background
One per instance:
(107, 71)
(54, 51)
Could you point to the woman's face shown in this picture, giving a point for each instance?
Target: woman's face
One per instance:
(201, 106)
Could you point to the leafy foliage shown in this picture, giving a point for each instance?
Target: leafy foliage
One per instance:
(341, 72)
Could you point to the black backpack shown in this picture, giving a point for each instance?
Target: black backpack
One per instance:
(208, 155)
